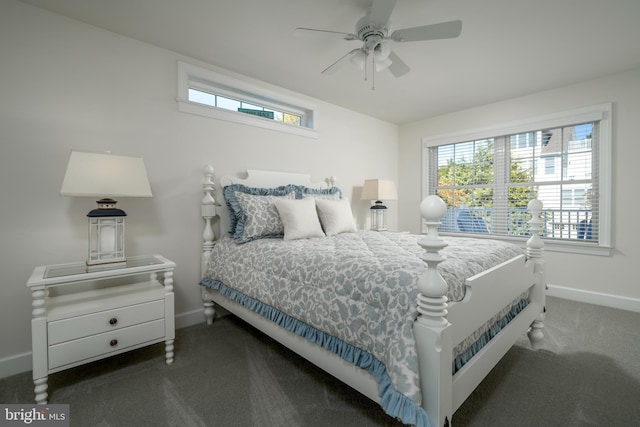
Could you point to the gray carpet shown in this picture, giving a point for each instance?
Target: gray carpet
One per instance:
(587, 374)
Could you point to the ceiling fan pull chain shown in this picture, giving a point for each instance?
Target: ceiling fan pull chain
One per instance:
(373, 72)
(366, 55)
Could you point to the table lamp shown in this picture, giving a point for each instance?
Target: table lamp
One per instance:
(378, 190)
(105, 175)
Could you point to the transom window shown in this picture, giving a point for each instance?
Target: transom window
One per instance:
(214, 100)
(487, 182)
(212, 94)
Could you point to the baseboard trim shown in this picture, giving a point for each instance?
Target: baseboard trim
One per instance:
(190, 318)
(15, 364)
(597, 298)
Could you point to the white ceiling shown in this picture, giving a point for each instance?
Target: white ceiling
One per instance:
(507, 48)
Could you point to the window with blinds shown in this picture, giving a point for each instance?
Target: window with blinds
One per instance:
(487, 182)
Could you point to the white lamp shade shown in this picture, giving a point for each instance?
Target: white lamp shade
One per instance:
(105, 175)
(379, 189)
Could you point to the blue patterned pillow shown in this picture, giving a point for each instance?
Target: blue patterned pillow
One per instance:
(253, 214)
(333, 193)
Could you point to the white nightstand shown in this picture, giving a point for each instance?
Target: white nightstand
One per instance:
(91, 317)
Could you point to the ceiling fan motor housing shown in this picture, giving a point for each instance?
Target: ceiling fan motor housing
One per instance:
(370, 33)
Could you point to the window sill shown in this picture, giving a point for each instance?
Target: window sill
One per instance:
(549, 245)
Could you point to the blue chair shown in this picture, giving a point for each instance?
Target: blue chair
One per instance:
(470, 223)
(584, 230)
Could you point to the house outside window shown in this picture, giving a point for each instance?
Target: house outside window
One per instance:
(488, 181)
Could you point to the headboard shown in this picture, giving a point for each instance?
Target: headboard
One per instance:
(254, 178)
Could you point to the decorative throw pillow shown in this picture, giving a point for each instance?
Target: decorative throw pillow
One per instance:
(299, 218)
(259, 218)
(335, 216)
(333, 193)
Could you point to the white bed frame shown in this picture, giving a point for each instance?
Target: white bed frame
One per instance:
(440, 325)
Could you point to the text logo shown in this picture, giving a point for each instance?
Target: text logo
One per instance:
(55, 415)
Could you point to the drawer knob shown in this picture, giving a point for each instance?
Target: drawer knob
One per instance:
(113, 321)
(113, 343)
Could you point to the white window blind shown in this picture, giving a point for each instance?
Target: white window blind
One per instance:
(487, 182)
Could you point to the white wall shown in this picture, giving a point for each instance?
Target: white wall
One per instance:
(614, 275)
(64, 85)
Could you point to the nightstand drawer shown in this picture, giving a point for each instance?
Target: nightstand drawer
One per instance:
(104, 321)
(102, 344)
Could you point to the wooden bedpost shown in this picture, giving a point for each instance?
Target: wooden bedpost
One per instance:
(535, 251)
(432, 330)
(208, 237)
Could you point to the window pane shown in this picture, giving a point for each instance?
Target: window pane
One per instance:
(251, 106)
(292, 119)
(228, 104)
(578, 166)
(548, 168)
(521, 170)
(278, 116)
(467, 163)
(483, 162)
(202, 97)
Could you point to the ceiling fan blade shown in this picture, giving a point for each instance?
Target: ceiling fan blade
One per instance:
(398, 68)
(333, 68)
(312, 32)
(381, 11)
(443, 30)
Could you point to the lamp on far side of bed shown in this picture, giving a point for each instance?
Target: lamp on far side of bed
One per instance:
(105, 175)
(379, 190)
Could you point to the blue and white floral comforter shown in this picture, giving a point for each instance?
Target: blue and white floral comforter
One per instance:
(359, 287)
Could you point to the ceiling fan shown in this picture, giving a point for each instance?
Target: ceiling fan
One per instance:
(374, 30)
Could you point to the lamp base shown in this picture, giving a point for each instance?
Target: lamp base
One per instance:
(378, 216)
(106, 235)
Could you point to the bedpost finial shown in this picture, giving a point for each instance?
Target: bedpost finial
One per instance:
(534, 205)
(207, 177)
(433, 208)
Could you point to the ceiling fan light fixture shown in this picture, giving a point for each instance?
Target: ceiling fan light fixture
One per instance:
(381, 52)
(359, 59)
(382, 65)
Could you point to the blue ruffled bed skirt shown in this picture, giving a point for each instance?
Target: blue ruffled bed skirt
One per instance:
(392, 401)
(493, 330)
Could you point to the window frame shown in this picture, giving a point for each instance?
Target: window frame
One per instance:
(206, 80)
(601, 113)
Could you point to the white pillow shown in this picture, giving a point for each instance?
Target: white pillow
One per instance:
(299, 218)
(335, 216)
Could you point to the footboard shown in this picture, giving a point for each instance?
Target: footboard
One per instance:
(440, 325)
